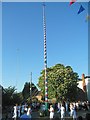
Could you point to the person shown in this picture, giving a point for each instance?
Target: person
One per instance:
(15, 111)
(67, 108)
(51, 110)
(24, 116)
(29, 111)
(19, 111)
(62, 112)
(58, 108)
(25, 106)
(22, 110)
(73, 111)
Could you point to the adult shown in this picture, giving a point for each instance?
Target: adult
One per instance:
(15, 111)
(51, 110)
(22, 109)
(25, 107)
(62, 112)
(58, 107)
(25, 116)
(19, 111)
(29, 111)
(67, 108)
(73, 111)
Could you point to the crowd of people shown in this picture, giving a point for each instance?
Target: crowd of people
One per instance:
(64, 109)
(22, 111)
(67, 109)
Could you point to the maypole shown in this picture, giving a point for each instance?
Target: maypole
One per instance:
(17, 67)
(31, 89)
(45, 59)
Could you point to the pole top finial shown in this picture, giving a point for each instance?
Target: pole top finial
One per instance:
(43, 4)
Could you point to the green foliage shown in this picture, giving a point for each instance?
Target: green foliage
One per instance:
(7, 95)
(17, 98)
(62, 82)
(10, 96)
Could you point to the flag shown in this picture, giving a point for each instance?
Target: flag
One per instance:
(83, 83)
(72, 1)
(81, 9)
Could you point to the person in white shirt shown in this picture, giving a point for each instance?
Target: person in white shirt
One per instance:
(29, 111)
(73, 111)
(15, 111)
(25, 107)
(62, 112)
(51, 110)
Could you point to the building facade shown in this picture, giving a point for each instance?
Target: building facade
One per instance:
(84, 84)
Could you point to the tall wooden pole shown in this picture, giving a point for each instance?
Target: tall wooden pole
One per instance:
(31, 88)
(45, 59)
(17, 68)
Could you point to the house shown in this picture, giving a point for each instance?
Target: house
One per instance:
(84, 85)
(39, 95)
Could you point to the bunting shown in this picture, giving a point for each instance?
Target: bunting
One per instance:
(81, 9)
(72, 1)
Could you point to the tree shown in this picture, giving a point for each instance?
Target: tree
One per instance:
(17, 98)
(7, 95)
(10, 96)
(62, 82)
